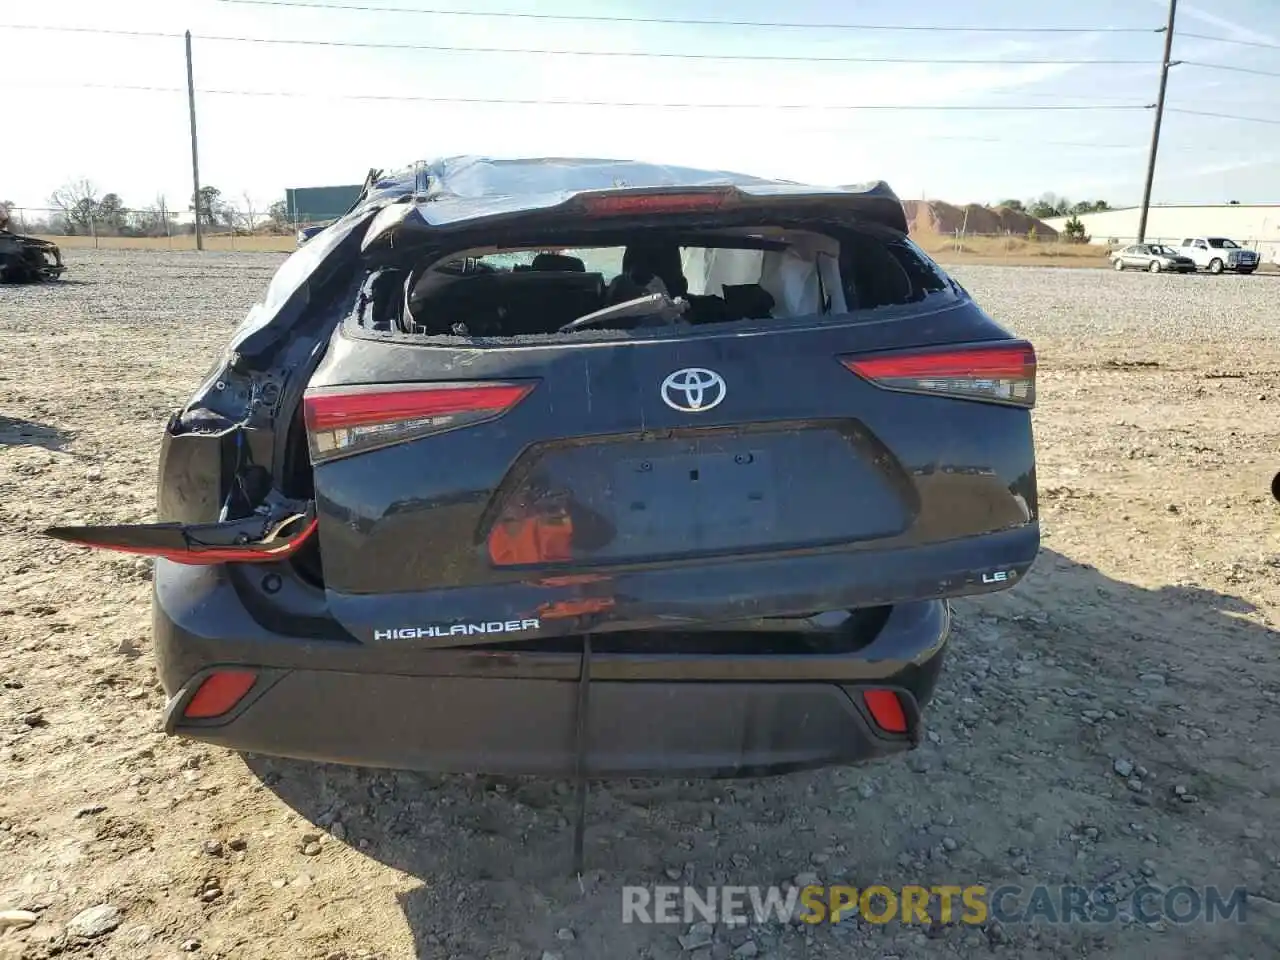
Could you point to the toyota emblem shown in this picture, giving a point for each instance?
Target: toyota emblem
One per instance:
(693, 390)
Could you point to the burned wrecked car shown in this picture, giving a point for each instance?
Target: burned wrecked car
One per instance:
(26, 259)
(582, 466)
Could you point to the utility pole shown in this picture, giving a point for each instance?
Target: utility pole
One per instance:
(195, 153)
(1155, 130)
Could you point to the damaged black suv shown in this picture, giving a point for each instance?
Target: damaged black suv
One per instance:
(26, 259)
(552, 465)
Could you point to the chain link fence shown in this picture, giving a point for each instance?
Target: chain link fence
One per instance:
(1007, 245)
(156, 228)
(237, 227)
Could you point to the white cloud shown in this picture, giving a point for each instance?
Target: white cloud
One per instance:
(1225, 166)
(1235, 30)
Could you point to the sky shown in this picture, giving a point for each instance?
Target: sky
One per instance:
(62, 123)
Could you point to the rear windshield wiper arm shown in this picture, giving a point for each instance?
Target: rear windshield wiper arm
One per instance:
(656, 305)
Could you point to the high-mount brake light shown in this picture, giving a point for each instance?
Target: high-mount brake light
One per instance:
(345, 420)
(634, 203)
(994, 372)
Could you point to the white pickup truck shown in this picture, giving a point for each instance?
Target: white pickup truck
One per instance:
(1216, 254)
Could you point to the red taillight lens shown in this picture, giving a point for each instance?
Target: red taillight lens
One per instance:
(218, 693)
(886, 710)
(345, 420)
(999, 373)
(176, 542)
(640, 203)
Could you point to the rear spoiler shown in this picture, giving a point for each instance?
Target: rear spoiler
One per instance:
(431, 215)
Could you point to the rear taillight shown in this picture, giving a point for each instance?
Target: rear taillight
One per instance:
(999, 373)
(641, 203)
(184, 544)
(345, 420)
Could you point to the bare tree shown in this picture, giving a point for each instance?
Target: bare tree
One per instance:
(77, 201)
(212, 209)
(278, 215)
(156, 219)
(246, 217)
(110, 214)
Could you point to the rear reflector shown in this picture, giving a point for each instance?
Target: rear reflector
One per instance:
(218, 693)
(886, 710)
(640, 203)
(346, 420)
(999, 373)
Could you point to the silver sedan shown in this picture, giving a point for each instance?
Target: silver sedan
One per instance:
(1152, 256)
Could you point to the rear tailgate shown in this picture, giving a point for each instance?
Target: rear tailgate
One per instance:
(596, 462)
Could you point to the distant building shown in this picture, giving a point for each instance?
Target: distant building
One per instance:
(317, 204)
(1256, 226)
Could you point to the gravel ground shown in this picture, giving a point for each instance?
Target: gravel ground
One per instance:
(1112, 720)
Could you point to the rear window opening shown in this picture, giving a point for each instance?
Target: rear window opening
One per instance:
(650, 278)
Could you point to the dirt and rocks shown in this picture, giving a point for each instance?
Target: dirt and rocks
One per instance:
(937, 218)
(1111, 721)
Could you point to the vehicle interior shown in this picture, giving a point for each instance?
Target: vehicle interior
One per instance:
(653, 278)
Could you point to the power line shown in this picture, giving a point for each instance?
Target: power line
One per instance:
(1242, 43)
(689, 105)
(514, 101)
(640, 54)
(1091, 97)
(1224, 116)
(1037, 108)
(99, 31)
(685, 22)
(1040, 143)
(1223, 66)
(766, 57)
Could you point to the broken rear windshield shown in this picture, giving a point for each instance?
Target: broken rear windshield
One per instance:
(655, 279)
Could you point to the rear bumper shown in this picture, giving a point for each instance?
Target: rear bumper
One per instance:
(528, 727)
(515, 711)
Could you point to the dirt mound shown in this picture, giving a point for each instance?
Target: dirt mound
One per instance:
(936, 217)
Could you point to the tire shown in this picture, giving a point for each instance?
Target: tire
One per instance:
(1119, 264)
(1154, 266)
(1215, 265)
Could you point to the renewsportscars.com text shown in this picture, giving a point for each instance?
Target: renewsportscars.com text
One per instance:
(973, 904)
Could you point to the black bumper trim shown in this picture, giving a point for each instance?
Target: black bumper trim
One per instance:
(526, 727)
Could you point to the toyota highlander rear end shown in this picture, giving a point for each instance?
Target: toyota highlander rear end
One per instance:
(720, 448)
